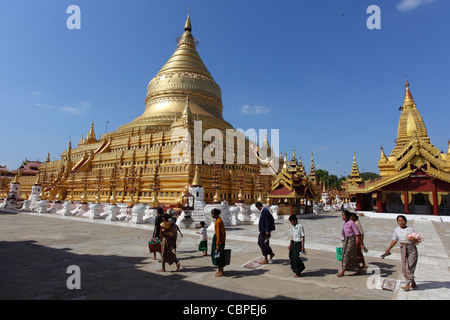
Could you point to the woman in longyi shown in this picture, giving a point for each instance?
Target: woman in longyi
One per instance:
(218, 243)
(408, 239)
(349, 234)
(167, 234)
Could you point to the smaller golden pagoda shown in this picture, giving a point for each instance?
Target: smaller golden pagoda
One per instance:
(292, 188)
(414, 178)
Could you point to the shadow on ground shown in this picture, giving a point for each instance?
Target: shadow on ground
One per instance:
(32, 271)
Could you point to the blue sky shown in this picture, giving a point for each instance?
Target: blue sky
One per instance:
(311, 69)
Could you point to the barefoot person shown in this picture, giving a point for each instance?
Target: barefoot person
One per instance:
(359, 241)
(157, 229)
(203, 245)
(167, 234)
(349, 234)
(266, 226)
(218, 243)
(296, 246)
(408, 251)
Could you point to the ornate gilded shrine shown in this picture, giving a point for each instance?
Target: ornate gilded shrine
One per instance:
(292, 188)
(135, 163)
(415, 177)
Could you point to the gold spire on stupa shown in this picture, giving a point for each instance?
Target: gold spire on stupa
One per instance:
(187, 25)
(38, 180)
(293, 164)
(196, 182)
(410, 123)
(354, 175)
(91, 135)
(312, 173)
(16, 177)
(383, 158)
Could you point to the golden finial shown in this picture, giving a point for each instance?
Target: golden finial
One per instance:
(48, 158)
(188, 26)
(383, 157)
(38, 180)
(187, 111)
(408, 95)
(91, 135)
(196, 182)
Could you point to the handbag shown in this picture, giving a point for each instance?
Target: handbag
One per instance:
(339, 253)
(227, 255)
(154, 245)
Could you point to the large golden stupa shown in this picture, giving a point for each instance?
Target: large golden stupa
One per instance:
(183, 75)
(135, 163)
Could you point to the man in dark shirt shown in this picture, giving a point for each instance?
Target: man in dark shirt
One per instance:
(266, 226)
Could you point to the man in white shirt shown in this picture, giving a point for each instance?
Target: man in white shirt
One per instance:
(297, 246)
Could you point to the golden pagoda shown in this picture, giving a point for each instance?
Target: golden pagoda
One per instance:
(355, 176)
(415, 177)
(135, 163)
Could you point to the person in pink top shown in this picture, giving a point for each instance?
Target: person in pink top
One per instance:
(349, 234)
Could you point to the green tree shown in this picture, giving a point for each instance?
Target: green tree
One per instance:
(322, 175)
(369, 176)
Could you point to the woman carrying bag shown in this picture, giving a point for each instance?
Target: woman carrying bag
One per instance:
(166, 236)
(218, 243)
(349, 252)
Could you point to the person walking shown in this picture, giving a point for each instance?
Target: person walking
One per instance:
(359, 241)
(408, 251)
(157, 229)
(203, 245)
(173, 220)
(296, 246)
(266, 226)
(349, 234)
(167, 234)
(218, 243)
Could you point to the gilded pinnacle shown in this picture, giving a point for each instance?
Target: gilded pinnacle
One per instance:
(188, 26)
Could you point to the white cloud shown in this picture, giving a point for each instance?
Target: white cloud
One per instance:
(254, 110)
(35, 93)
(44, 106)
(322, 148)
(409, 5)
(70, 110)
(77, 110)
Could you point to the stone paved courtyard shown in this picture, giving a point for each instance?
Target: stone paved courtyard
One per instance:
(115, 263)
